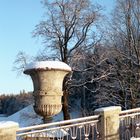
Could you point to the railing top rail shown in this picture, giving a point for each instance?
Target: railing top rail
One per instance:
(130, 111)
(95, 117)
(58, 127)
(129, 115)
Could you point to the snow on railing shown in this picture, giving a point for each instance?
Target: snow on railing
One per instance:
(81, 129)
(130, 124)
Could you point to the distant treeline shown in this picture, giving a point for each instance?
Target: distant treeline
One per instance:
(9, 104)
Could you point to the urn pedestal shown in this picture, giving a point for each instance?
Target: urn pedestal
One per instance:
(47, 77)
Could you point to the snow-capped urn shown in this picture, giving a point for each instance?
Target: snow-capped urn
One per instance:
(47, 77)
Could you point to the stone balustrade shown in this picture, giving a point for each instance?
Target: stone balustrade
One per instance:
(108, 122)
(8, 130)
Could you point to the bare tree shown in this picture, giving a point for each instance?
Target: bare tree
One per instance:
(20, 62)
(68, 25)
(92, 70)
(125, 37)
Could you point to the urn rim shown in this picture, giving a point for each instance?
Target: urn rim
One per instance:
(46, 66)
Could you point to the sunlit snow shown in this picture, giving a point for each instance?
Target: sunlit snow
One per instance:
(4, 124)
(48, 65)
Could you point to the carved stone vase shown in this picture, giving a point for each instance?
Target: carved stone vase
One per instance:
(47, 77)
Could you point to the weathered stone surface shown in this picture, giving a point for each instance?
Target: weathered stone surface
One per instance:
(109, 124)
(47, 83)
(8, 130)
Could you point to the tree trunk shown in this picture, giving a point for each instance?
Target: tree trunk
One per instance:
(133, 102)
(65, 97)
(65, 106)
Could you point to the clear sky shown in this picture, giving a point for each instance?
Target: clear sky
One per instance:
(17, 20)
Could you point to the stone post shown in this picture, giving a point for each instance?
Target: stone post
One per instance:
(109, 122)
(8, 130)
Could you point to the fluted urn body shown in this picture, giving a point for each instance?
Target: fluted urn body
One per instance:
(47, 77)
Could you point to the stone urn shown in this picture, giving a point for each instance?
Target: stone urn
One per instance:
(47, 77)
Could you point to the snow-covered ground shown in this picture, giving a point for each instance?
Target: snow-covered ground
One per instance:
(24, 117)
(2, 118)
(28, 117)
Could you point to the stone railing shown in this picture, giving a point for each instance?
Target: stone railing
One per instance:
(81, 128)
(130, 124)
(109, 123)
(8, 130)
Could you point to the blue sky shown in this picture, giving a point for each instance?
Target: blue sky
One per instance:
(17, 20)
